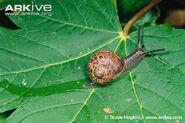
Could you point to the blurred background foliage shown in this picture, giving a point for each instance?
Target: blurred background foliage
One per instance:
(170, 12)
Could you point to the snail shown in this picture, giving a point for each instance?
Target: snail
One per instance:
(106, 65)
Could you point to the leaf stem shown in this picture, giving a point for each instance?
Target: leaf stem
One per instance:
(138, 15)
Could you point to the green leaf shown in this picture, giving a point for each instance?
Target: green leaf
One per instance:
(158, 81)
(2, 4)
(43, 68)
(44, 63)
(2, 118)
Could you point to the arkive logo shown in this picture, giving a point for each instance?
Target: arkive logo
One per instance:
(29, 9)
(32, 7)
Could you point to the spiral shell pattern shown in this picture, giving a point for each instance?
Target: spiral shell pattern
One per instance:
(104, 66)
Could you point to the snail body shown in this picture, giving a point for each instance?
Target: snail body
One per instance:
(106, 65)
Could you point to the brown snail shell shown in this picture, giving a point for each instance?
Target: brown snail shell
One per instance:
(104, 66)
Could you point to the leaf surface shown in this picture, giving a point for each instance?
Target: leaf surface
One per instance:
(43, 68)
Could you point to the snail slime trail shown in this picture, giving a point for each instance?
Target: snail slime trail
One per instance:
(106, 65)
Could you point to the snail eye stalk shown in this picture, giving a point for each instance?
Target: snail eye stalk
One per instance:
(152, 51)
(139, 42)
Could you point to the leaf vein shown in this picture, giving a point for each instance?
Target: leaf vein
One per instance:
(61, 62)
(22, 55)
(79, 26)
(137, 96)
(165, 99)
(84, 103)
